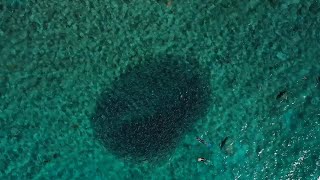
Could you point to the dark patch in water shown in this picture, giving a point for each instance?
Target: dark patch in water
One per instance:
(148, 109)
(223, 142)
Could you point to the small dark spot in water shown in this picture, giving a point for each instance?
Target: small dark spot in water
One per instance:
(46, 161)
(281, 93)
(55, 155)
(223, 142)
(75, 126)
(273, 3)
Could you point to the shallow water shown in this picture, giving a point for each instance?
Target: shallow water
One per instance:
(58, 57)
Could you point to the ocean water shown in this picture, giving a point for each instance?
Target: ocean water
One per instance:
(121, 89)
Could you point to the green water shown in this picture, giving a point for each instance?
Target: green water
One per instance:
(58, 57)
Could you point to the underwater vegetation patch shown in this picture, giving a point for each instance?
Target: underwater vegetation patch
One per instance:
(145, 111)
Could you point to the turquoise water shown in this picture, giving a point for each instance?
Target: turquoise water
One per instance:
(258, 59)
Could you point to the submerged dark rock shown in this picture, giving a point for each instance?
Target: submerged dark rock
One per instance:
(146, 111)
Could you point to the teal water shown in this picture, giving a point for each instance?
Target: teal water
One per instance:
(63, 62)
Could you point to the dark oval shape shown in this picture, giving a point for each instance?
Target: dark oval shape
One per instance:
(148, 108)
